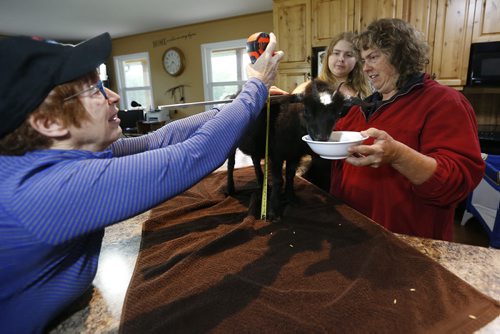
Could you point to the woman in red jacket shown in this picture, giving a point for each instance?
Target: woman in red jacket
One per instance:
(423, 155)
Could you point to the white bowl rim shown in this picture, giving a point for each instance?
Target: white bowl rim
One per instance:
(308, 139)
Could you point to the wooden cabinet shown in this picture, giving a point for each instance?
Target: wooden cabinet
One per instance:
(292, 26)
(486, 21)
(446, 24)
(289, 78)
(452, 40)
(367, 11)
(422, 15)
(329, 18)
(447, 27)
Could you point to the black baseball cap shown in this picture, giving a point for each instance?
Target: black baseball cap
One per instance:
(30, 67)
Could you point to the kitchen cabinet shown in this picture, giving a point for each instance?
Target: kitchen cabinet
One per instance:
(289, 78)
(292, 26)
(367, 11)
(486, 21)
(329, 18)
(446, 25)
(422, 15)
(452, 40)
(303, 24)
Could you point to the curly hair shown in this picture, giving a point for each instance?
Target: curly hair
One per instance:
(401, 42)
(71, 112)
(356, 78)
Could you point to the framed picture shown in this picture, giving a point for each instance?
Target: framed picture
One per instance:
(318, 53)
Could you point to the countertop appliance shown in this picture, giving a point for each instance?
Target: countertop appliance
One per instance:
(158, 115)
(484, 65)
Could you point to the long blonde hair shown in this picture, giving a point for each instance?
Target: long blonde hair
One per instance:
(356, 79)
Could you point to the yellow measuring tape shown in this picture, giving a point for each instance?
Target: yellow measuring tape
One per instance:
(263, 206)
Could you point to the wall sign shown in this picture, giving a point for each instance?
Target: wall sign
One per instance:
(164, 41)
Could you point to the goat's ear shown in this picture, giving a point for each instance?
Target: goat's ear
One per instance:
(337, 91)
(294, 98)
(337, 94)
(338, 97)
(356, 101)
(314, 88)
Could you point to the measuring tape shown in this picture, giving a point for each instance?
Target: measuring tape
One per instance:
(256, 44)
(263, 206)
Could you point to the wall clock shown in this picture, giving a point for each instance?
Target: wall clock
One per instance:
(173, 61)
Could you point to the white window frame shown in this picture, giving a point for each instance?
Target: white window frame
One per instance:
(120, 78)
(206, 51)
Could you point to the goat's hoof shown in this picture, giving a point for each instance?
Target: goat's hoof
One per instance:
(230, 191)
(276, 219)
(274, 215)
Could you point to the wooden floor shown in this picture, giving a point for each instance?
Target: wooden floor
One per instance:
(472, 233)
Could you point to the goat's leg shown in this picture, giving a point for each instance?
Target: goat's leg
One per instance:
(275, 210)
(230, 170)
(291, 169)
(259, 174)
(258, 171)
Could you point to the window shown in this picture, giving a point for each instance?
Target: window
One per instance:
(134, 80)
(224, 68)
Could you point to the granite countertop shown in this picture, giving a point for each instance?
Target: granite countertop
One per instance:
(479, 266)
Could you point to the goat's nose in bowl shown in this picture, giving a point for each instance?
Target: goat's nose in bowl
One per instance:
(319, 137)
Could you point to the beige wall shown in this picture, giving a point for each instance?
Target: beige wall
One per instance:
(188, 39)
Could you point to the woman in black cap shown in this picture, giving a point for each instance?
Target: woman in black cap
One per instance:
(63, 163)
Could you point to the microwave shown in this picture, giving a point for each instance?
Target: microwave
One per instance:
(484, 65)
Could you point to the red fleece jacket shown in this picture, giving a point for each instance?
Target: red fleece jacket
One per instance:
(435, 120)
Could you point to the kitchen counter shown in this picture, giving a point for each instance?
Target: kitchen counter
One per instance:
(478, 266)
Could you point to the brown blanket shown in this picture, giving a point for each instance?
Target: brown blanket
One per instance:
(206, 264)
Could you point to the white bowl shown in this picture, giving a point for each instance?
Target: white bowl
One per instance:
(336, 146)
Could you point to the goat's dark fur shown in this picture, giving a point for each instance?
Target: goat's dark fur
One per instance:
(291, 117)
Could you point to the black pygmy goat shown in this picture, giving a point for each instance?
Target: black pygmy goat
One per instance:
(314, 112)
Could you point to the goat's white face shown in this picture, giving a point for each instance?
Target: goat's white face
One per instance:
(325, 98)
(321, 112)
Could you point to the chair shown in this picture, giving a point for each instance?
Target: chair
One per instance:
(484, 202)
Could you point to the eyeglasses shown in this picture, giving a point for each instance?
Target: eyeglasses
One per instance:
(98, 87)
